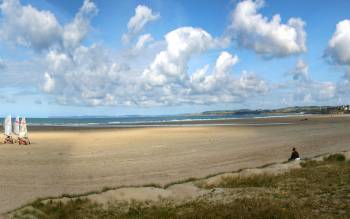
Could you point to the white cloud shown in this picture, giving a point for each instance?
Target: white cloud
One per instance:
(92, 75)
(49, 84)
(76, 31)
(40, 30)
(338, 46)
(268, 38)
(338, 53)
(143, 15)
(143, 40)
(224, 62)
(300, 71)
(315, 92)
(223, 87)
(326, 90)
(304, 90)
(27, 26)
(88, 76)
(344, 84)
(21, 74)
(170, 65)
(201, 82)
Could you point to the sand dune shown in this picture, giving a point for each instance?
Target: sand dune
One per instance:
(82, 160)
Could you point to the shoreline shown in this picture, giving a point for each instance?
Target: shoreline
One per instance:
(254, 121)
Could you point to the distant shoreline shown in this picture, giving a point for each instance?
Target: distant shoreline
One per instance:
(253, 121)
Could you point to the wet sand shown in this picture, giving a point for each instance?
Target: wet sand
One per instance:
(77, 160)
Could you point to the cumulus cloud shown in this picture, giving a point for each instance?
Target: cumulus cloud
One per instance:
(338, 53)
(49, 84)
(202, 82)
(80, 74)
(270, 38)
(338, 50)
(76, 31)
(223, 87)
(27, 26)
(143, 15)
(344, 84)
(168, 73)
(305, 90)
(315, 92)
(90, 76)
(39, 29)
(300, 71)
(225, 62)
(143, 40)
(170, 65)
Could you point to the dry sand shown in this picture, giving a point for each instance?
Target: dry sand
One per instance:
(81, 160)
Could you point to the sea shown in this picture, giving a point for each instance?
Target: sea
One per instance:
(131, 121)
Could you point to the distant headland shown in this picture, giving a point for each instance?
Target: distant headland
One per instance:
(342, 109)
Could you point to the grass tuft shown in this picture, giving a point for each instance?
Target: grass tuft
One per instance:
(259, 180)
(335, 157)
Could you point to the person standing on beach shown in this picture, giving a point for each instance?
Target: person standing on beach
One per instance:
(295, 155)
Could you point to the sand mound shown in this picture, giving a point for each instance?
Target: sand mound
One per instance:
(182, 191)
(273, 169)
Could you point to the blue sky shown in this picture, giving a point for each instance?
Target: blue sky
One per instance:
(168, 57)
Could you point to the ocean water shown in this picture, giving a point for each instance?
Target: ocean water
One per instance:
(133, 120)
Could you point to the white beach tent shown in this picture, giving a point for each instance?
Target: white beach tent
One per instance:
(16, 126)
(8, 126)
(23, 132)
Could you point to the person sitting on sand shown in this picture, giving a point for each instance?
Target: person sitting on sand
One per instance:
(8, 140)
(295, 155)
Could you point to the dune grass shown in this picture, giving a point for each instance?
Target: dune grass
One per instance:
(263, 180)
(241, 208)
(320, 189)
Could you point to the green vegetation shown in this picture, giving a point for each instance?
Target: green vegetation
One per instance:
(335, 157)
(286, 110)
(320, 189)
(263, 180)
(241, 208)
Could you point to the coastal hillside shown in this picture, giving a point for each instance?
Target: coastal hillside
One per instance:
(344, 109)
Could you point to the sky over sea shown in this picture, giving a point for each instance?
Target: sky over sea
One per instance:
(94, 57)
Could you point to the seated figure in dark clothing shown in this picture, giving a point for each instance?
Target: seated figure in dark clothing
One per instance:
(295, 155)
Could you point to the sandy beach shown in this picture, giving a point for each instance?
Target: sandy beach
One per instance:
(77, 160)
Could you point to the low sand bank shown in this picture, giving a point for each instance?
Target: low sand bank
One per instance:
(186, 190)
(275, 182)
(67, 160)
